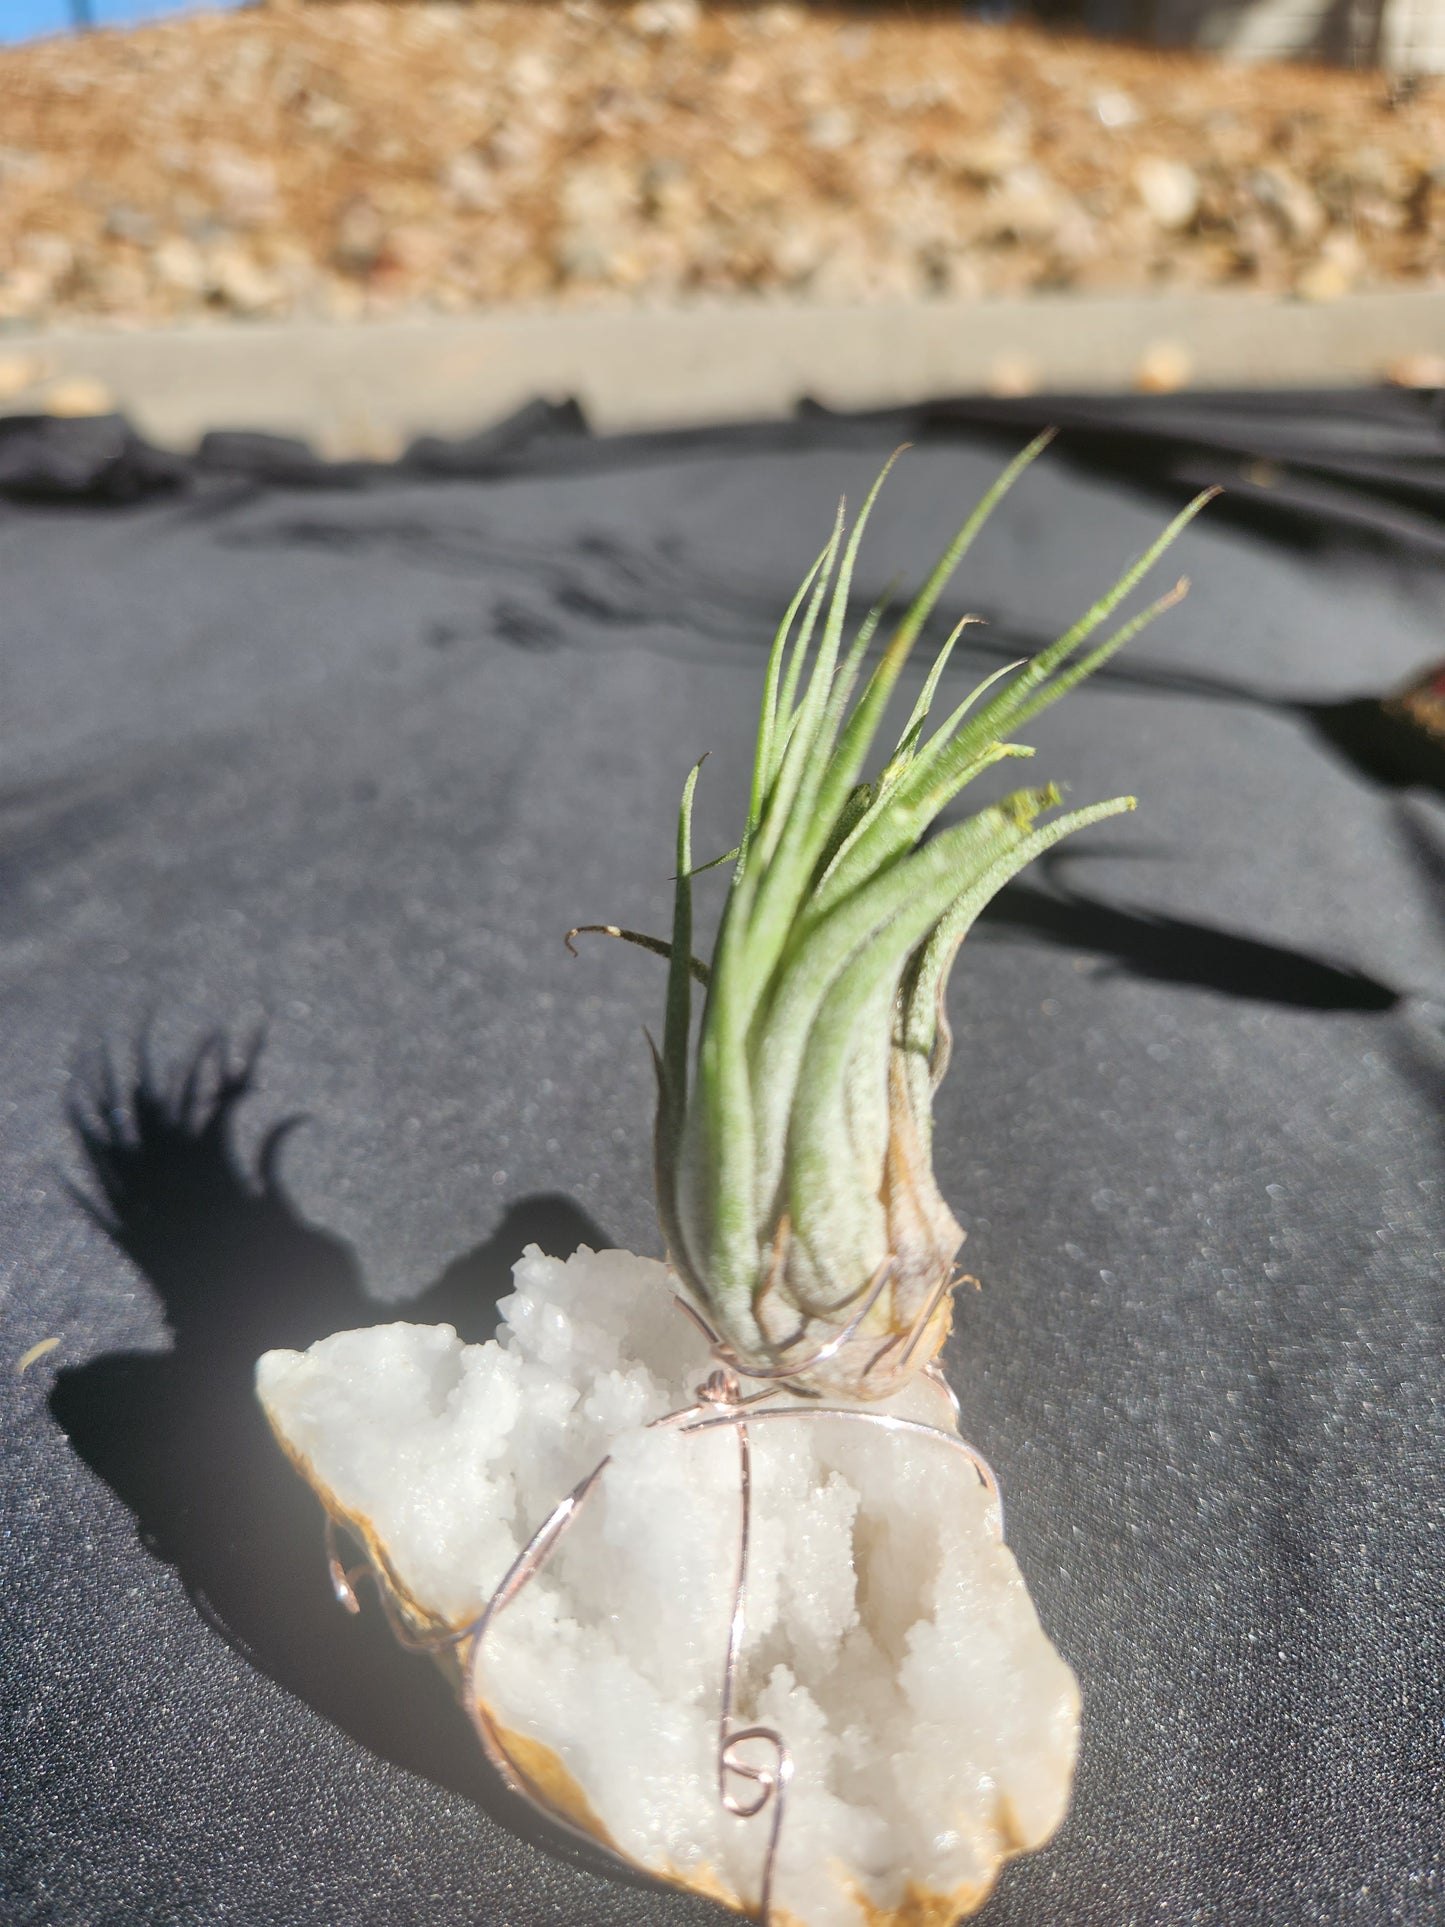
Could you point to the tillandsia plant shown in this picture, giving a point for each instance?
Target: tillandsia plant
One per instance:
(794, 1144)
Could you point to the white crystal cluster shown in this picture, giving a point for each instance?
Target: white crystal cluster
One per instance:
(889, 1636)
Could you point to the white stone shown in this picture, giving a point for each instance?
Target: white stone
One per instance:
(245, 182)
(889, 1636)
(1169, 189)
(1027, 204)
(657, 19)
(241, 282)
(1115, 108)
(469, 181)
(178, 264)
(1294, 205)
(831, 129)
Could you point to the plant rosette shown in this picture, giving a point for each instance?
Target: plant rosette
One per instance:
(715, 1576)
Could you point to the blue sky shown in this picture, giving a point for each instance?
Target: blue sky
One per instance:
(27, 19)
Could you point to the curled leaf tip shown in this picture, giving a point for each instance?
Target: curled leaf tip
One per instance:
(590, 930)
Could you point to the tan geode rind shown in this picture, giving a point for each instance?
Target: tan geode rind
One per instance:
(558, 1789)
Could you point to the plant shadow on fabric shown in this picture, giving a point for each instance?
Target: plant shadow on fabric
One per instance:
(1136, 941)
(180, 1439)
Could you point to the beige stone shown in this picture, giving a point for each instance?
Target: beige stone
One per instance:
(78, 395)
(242, 283)
(1012, 375)
(1334, 271)
(19, 372)
(1164, 367)
(1169, 189)
(1425, 369)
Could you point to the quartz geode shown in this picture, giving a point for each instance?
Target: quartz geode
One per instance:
(890, 1638)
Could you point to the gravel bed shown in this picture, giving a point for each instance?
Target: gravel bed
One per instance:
(358, 158)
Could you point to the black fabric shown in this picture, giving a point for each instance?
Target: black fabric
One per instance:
(331, 759)
(98, 459)
(1301, 465)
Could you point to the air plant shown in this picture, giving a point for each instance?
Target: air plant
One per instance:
(793, 1145)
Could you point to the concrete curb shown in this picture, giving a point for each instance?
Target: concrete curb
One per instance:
(364, 388)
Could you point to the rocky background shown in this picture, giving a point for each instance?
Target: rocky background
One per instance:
(360, 158)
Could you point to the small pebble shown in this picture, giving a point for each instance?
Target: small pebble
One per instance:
(77, 395)
(1163, 368)
(1334, 271)
(1169, 190)
(19, 372)
(1421, 370)
(1115, 108)
(1012, 375)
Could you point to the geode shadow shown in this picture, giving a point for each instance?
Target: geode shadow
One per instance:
(180, 1439)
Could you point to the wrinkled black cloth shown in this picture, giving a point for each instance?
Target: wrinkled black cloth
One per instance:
(307, 770)
(1371, 461)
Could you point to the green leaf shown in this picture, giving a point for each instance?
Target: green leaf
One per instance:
(891, 826)
(930, 981)
(811, 806)
(1014, 703)
(913, 728)
(768, 715)
(678, 1029)
(920, 887)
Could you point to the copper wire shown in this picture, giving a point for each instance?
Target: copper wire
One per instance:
(719, 1403)
(730, 1360)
